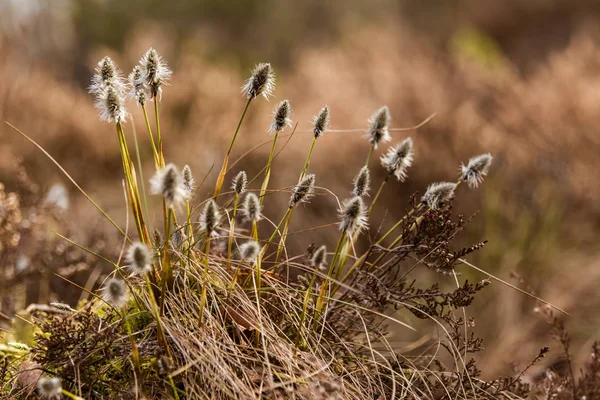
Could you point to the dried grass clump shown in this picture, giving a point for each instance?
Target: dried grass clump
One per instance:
(208, 306)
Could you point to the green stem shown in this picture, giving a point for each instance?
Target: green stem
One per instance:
(378, 194)
(284, 234)
(283, 219)
(307, 162)
(205, 279)
(154, 151)
(369, 155)
(265, 183)
(231, 232)
(161, 158)
(223, 172)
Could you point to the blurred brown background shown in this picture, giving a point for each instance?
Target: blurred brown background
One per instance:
(519, 79)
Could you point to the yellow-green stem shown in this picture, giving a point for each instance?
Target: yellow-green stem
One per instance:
(377, 194)
(283, 219)
(369, 155)
(223, 172)
(161, 158)
(154, 151)
(205, 279)
(265, 184)
(232, 231)
(307, 162)
(284, 234)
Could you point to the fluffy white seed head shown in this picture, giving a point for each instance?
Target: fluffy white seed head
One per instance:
(240, 183)
(262, 81)
(319, 258)
(438, 194)
(398, 158)
(321, 122)
(62, 306)
(353, 216)
(110, 104)
(137, 85)
(155, 72)
(474, 172)
(362, 182)
(168, 182)
(106, 74)
(281, 116)
(252, 208)
(115, 292)
(303, 191)
(18, 346)
(378, 127)
(188, 181)
(210, 217)
(49, 388)
(108, 89)
(249, 251)
(139, 258)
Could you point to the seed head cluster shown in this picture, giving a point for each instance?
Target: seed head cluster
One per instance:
(188, 181)
(319, 258)
(252, 208)
(49, 388)
(139, 258)
(477, 168)
(353, 216)
(115, 292)
(169, 183)
(438, 194)
(137, 85)
(303, 191)
(398, 158)
(240, 183)
(62, 306)
(378, 128)
(281, 116)
(321, 122)
(261, 82)
(362, 182)
(155, 73)
(210, 217)
(249, 251)
(108, 89)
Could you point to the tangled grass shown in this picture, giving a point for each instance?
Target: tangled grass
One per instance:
(213, 309)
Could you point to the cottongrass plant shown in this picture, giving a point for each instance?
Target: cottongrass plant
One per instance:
(186, 317)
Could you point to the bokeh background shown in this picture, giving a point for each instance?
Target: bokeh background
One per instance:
(519, 79)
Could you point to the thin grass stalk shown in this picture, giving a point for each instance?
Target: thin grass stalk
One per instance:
(307, 162)
(265, 184)
(284, 234)
(166, 259)
(378, 194)
(162, 339)
(203, 298)
(71, 395)
(232, 231)
(304, 310)
(104, 214)
(151, 136)
(133, 190)
(135, 354)
(270, 240)
(161, 158)
(325, 283)
(223, 172)
(139, 161)
(371, 150)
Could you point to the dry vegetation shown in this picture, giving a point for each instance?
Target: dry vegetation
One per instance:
(539, 126)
